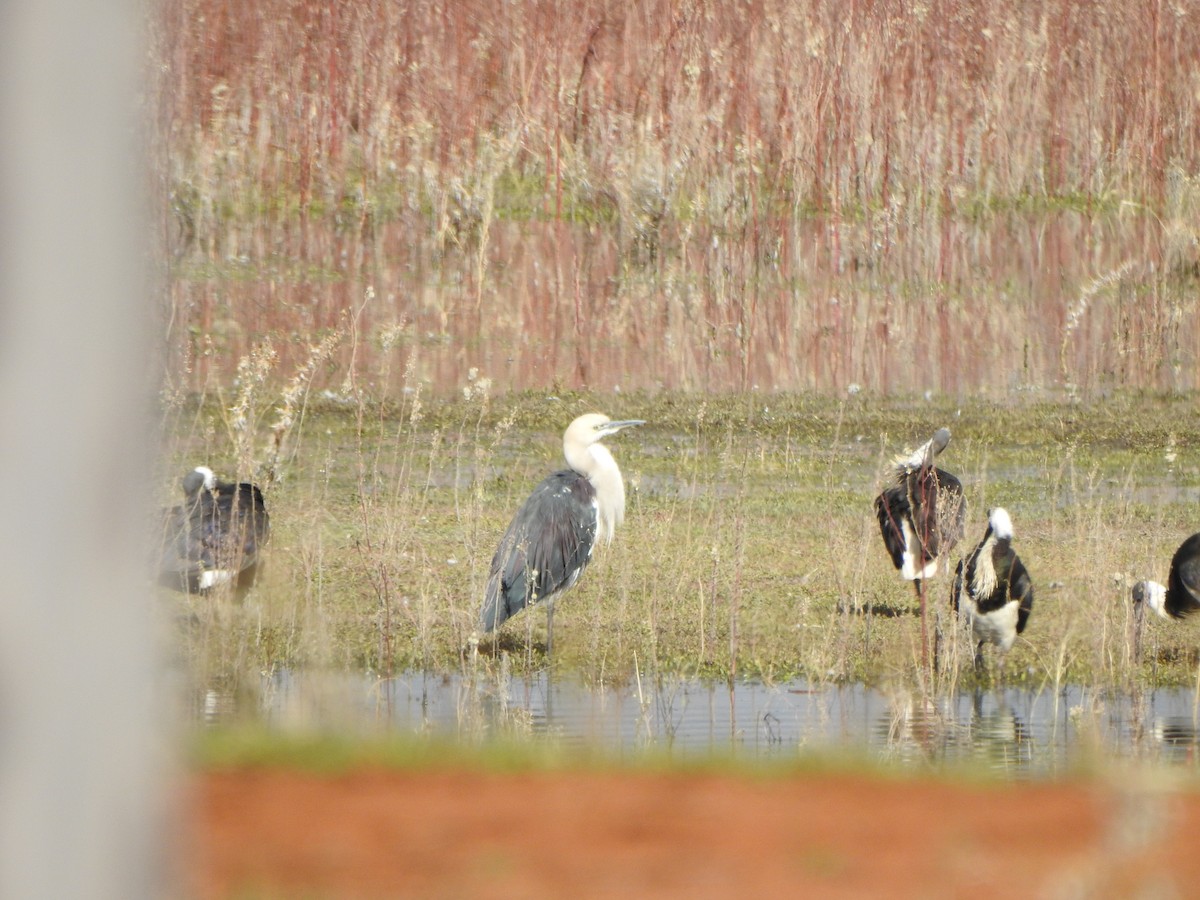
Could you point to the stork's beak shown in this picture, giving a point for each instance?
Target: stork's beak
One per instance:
(936, 445)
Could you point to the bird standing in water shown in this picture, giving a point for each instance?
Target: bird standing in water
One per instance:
(551, 538)
(994, 588)
(921, 517)
(1178, 599)
(214, 538)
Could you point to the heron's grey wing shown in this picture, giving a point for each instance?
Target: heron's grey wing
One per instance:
(545, 548)
(504, 595)
(255, 530)
(922, 490)
(235, 522)
(252, 509)
(940, 508)
(565, 547)
(250, 521)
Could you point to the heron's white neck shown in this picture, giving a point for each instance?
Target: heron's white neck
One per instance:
(598, 466)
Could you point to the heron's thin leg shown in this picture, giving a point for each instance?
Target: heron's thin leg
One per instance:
(549, 626)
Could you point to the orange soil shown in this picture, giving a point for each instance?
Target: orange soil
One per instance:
(271, 832)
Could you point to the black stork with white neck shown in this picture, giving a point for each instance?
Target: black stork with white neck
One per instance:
(551, 538)
(921, 518)
(921, 515)
(215, 537)
(994, 588)
(1181, 596)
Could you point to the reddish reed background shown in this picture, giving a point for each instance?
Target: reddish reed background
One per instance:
(903, 195)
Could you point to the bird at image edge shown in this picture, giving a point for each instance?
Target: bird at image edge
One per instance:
(214, 538)
(1178, 599)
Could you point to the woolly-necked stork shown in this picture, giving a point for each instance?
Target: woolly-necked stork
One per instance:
(1181, 596)
(214, 538)
(551, 538)
(921, 515)
(994, 588)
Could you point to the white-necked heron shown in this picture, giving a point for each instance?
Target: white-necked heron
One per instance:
(551, 538)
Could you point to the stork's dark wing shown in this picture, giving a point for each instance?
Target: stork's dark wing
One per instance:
(892, 508)
(235, 525)
(964, 574)
(958, 585)
(1012, 583)
(939, 510)
(1020, 587)
(545, 548)
(179, 564)
(1183, 585)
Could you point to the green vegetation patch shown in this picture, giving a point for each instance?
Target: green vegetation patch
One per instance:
(750, 545)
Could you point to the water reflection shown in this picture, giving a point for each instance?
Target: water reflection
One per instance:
(1033, 302)
(998, 736)
(1013, 731)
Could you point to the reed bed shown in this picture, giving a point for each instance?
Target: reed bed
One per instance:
(665, 115)
(901, 196)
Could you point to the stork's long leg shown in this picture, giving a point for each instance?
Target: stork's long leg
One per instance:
(919, 584)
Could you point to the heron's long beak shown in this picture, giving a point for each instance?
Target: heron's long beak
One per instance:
(613, 427)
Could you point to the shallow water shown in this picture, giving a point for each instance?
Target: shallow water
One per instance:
(1019, 732)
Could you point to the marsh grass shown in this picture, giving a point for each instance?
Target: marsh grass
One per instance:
(750, 547)
(774, 229)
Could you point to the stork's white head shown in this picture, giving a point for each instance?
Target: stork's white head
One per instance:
(1153, 594)
(1000, 523)
(200, 478)
(927, 452)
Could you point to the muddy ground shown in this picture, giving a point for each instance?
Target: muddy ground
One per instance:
(265, 832)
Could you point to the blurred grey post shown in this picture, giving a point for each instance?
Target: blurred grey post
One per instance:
(80, 766)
